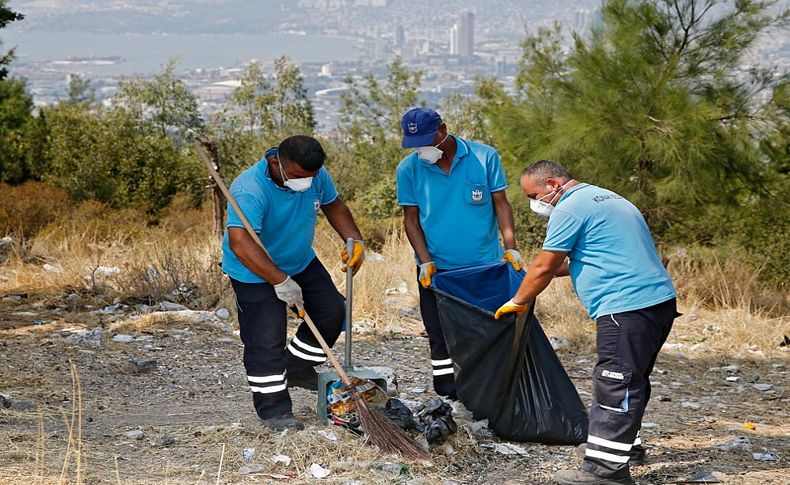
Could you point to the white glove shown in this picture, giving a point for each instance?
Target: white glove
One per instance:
(290, 292)
(514, 257)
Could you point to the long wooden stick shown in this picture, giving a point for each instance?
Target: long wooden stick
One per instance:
(327, 350)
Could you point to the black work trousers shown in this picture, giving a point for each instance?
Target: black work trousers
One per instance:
(441, 364)
(262, 321)
(628, 344)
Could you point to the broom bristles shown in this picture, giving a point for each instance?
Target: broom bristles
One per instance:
(386, 435)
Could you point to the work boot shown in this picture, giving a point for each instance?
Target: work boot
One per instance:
(581, 477)
(283, 422)
(637, 456)
(306, 379)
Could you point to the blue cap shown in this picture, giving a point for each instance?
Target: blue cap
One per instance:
(419, 127)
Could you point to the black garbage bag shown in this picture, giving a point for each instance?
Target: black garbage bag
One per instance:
(400, 414)
(437, 418)
(506, 370)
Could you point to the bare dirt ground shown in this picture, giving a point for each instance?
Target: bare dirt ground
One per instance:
(195, 415)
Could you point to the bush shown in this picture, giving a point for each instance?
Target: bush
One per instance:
(26, 208)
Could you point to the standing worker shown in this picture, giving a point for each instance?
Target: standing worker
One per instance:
(281, 196)
(618, 276)
(453, 196)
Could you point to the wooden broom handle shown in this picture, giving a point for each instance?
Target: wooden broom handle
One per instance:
(214, 175)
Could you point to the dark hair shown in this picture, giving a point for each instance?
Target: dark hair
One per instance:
(543, 169)
(306, 151)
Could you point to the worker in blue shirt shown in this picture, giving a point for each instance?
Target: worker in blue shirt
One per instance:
(281, 196)
(618, 275)
(453, 196)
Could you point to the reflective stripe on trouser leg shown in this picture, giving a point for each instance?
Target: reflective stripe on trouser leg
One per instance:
(442, 371)
(326, 308)
(262, 330)
(627, 346)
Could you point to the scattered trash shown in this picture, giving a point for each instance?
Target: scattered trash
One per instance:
(38, 322)
(557, 343)
(479, 429)
(400, 414)
(374, 256)
(51, 269)
(139, 365)
(283, 476)
(741, 443)
(785, 342)
(673, 347)
(437, 419)
(106, 271)
(89, 337)
(701, 477)
(317, 471)
(253, 468)
(772, 457)
(415, 390)
(329, 435)
(122, 338)
(750, 426)
(284, 459)
(5, 401)
(732, 378)
(763, 387)
(726, 368)
(507, 448)
(386, 466)
(164, 439)
(650, 425)
(247, 454)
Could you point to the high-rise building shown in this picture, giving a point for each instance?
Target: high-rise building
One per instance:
(454, 40)
(466, 34)
(398, 36)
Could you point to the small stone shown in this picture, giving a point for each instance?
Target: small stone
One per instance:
(21, 405)
(135, 434)
(223, 313)
(164, 439)
(771, 457)
(763, 387)
(673, 347)
(726, 368)
(88, 337)
(557, 343)
(122, 338)
(137, 365)
(690, 404)
(52, 269)
(167, 306)
(650, 425)
(741, 443)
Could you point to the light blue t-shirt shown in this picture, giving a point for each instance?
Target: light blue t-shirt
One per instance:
(456, 208)
(614, 264)
(285, 220)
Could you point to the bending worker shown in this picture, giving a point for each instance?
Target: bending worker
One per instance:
(618, 276)
(281, 196)
(453, 196)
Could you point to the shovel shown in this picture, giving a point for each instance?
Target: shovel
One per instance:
(325, 379)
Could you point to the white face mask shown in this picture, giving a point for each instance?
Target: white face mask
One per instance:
(297, 185)
(431, 154)
(542, 208)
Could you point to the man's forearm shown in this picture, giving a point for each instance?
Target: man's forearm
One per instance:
(416, 238)
(504, 215)
(340, 218)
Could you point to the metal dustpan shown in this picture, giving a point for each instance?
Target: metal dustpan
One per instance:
(326, 379)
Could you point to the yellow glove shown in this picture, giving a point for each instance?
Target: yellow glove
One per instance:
(514, 257)
(510, 307)
(357, 256)
(427, 270)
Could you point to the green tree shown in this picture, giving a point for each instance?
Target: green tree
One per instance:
(291, 110)
(369, 149)
(164, 101)
(653, 104)
(7, 16)
(15, 108)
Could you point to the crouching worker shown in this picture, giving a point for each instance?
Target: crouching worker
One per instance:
(281, 196)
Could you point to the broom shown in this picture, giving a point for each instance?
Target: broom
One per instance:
(379, 429)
